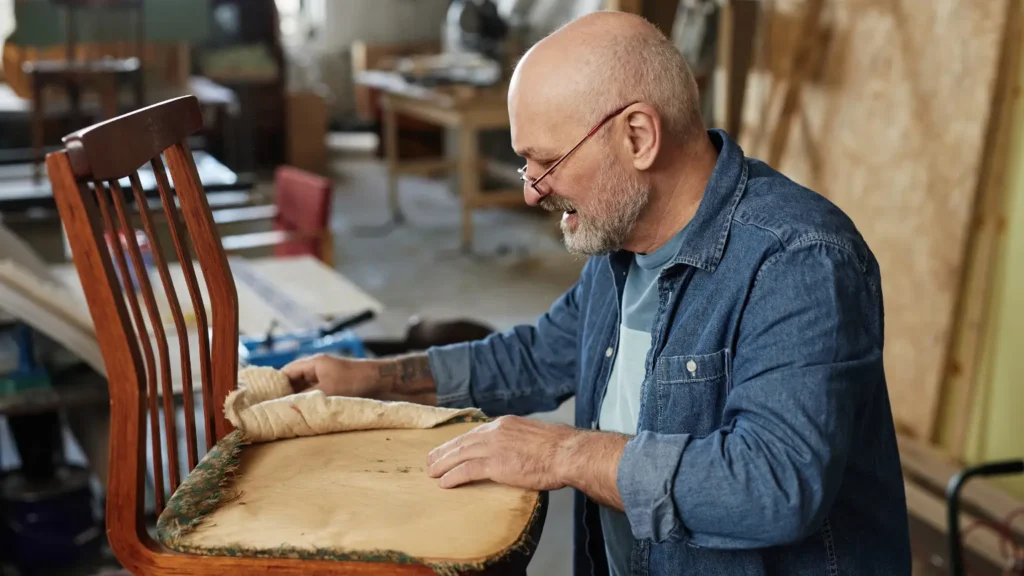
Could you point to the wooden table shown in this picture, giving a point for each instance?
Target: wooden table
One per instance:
(465, 109)
(20, 192)
(322, 291)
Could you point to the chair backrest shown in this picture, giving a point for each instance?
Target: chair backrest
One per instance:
(303, 202)
(138, 345)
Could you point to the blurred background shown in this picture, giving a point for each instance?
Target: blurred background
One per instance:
(379, 128)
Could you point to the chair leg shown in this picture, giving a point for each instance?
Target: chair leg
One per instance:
(391, 147)
(469, 182)
(327, 249)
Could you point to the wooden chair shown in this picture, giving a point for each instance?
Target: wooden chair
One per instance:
(85, 177)
(91, 203)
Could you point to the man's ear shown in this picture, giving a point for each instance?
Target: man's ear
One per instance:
(643, 135)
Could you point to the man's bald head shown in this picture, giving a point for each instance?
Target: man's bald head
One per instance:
(600, 62)
(618, 188)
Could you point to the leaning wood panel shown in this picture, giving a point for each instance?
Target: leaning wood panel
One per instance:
(975, 313)
(893, 126)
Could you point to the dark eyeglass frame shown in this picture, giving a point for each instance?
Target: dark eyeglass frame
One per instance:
(534, 181)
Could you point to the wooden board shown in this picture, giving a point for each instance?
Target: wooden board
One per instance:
(975, 310)
(932, 470)
(50, 309)
(892, 127)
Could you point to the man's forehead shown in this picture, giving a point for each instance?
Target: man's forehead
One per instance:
(538, 130)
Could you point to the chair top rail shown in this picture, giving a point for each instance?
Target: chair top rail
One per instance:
(117, 147)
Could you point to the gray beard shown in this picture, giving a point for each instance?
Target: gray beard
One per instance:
(610, 218)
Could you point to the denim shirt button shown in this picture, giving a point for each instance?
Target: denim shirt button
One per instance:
(692, 367)
(608, 352)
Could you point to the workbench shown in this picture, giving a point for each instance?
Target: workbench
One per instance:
(467, 110)
(19, 191)
(303, 280)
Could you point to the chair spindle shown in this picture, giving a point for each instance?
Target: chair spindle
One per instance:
(170, 424)
(176, 314)
(142, 333)
(178, 236)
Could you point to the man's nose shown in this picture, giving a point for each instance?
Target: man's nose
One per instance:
(531, 195)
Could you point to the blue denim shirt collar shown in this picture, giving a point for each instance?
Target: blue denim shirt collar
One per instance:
(704, 237)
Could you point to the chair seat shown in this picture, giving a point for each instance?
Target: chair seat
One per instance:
(362, 495)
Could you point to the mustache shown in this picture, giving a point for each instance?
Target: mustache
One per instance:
(555, 203)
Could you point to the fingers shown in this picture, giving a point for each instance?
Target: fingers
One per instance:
(457, 453)
(473, 436)
(301, 373)
(469, 471)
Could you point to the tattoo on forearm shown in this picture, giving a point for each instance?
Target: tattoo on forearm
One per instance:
(408, 376)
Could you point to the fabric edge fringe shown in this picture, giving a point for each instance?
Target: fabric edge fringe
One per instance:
(215, 471)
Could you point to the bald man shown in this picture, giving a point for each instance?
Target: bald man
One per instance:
(723, 343)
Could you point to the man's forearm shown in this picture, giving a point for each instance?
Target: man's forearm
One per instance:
(589, 462)
(406, 378)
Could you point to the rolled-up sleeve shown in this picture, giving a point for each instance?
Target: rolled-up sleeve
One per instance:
(527, 369)
(808, 355)
(450, 367)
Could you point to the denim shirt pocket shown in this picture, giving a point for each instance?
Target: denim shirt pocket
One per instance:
(690, 391)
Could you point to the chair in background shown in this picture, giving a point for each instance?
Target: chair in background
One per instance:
(300, 217)
(74, 75)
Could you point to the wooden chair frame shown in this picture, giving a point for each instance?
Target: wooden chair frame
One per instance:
(84, 176)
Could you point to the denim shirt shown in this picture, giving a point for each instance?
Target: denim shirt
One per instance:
(765, 442)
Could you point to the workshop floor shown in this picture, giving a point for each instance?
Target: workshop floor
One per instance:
(519, 268)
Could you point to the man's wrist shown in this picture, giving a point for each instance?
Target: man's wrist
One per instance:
(405, 378)
(589, 461)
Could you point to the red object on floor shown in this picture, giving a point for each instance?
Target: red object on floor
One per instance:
(303, 202)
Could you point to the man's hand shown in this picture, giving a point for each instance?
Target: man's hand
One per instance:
(535, 455)
(405, 378)
(333, 376)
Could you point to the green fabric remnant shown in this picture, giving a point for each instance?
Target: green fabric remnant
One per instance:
(202, 491)
(206, 488)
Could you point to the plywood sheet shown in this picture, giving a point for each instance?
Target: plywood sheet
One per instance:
(892, 126)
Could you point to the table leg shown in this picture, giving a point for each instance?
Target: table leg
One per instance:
(108, 93)
(469, 181)
(391, 150)
(38, 129)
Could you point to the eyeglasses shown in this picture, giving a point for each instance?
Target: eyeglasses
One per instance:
(534, 181)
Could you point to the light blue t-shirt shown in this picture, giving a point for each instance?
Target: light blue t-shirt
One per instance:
(620, 407)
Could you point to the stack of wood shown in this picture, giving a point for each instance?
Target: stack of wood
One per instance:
(30, 294)
(900, 113)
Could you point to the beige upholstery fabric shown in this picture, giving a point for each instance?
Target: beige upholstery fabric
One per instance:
(264, 408)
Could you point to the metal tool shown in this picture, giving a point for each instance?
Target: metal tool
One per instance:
(276, 350)
(956, 483)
